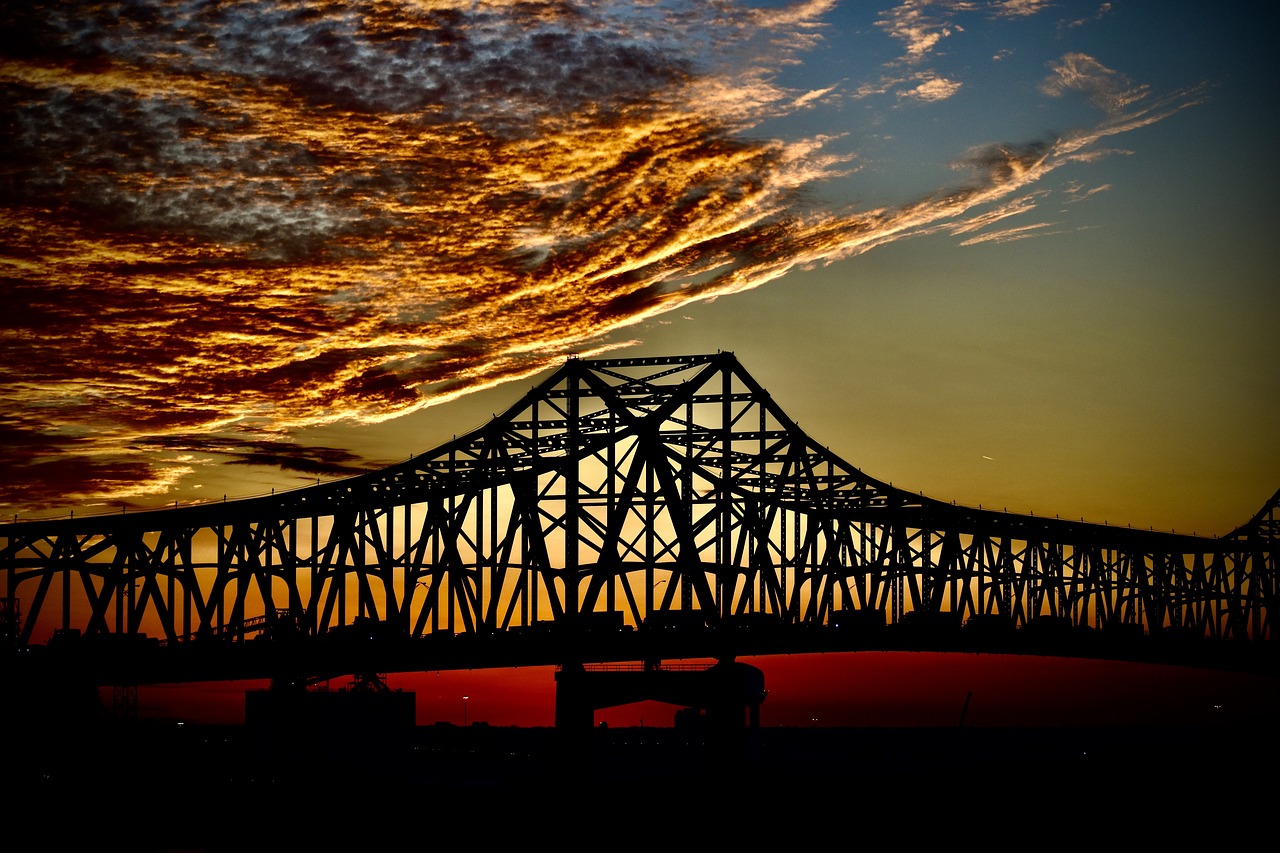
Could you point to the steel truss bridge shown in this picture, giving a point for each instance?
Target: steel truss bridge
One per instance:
(626, 509)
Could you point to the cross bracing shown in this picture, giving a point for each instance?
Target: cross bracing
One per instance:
(631, 492)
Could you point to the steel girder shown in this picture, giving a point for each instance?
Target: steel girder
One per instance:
(630, 491)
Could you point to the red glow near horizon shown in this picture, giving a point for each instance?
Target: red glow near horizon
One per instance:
(861, 689)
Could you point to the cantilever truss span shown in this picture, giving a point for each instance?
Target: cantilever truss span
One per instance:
(629, 491)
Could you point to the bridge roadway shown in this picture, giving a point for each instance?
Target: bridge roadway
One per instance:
(366, 647)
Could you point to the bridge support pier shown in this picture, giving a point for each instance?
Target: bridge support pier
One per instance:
(727, 696)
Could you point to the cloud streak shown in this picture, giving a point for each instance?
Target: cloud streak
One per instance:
(227, 222)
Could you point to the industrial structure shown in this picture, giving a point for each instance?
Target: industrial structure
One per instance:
(624, 510)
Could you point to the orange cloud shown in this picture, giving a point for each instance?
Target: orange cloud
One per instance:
(237, 221)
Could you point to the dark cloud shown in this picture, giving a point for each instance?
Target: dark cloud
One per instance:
(284, 454)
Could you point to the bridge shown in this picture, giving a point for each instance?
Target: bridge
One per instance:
(624, 510)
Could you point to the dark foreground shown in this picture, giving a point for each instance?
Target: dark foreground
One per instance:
(150, 786)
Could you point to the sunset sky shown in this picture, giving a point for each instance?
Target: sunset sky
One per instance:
(1011, 253)
(1018, 254)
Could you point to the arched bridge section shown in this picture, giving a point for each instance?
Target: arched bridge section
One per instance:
(620, 499)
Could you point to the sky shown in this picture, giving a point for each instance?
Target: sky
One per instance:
(1011, 253)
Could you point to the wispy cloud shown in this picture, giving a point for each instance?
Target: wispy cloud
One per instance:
(1019, 8)
(932, 89)
(923, 28)
(1008, 235)
(1108, 90)
(226, 222)
(1075, 191)
(1104, 9)
(921, 25)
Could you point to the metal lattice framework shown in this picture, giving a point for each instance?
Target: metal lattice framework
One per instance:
(634, 491)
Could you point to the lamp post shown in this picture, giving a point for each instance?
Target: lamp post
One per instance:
(464, 711)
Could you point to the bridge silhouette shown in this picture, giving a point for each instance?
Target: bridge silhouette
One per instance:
(625, 510)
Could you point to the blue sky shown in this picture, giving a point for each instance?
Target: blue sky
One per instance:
(1017, 254)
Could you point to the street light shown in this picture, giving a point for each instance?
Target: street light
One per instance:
(464, 711)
